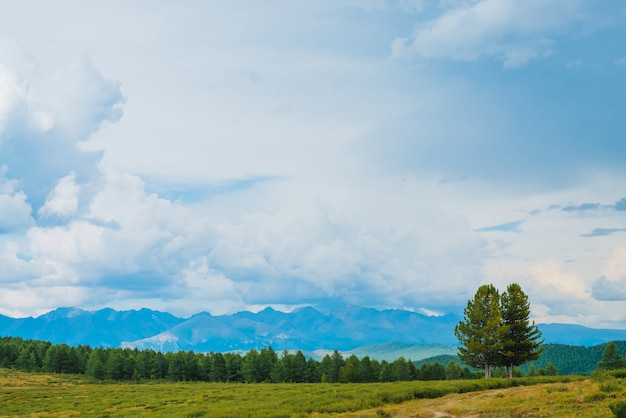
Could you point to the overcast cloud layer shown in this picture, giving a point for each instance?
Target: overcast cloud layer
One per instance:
(222, 156)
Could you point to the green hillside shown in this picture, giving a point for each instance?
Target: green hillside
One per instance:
(394, 350)
(568, 359)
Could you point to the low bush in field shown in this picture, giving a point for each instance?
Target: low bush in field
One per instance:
(620, 373)
(618, 409)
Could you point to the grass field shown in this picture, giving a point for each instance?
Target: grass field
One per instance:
(37, 395)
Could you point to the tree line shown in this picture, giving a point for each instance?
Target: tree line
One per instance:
(255, 366)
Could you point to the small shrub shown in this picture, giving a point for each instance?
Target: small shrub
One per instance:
(597, 397)
(600, 376)
(618, 409)
(196, 414)
(620, 374)
(553, 389)
(610, 387)
(429, 393)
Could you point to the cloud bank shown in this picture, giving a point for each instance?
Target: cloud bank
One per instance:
(513, 32)
(224, 157)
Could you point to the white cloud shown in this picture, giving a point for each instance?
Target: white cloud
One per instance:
(11, 93)
(45, 115)
(15, 212)
(63, 199)
(616, 264)
(605, 289)
(76, 99)
(295, 162)
(14, 269)
(20, 301)
(553, 283)
(611, 286)
(512, 31)
(365, 250)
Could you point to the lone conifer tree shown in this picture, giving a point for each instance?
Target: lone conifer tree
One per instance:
(611, 359)
(522, 341)
(482, 332)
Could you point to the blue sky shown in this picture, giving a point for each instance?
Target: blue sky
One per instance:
(223, 156)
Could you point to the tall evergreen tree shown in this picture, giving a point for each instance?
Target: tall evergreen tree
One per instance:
(96, 364)
(482, 333)
(233, 367)
(251, 368)
(523, 339)
(265, 363)
(611, 359)
(218, 372)
(366, 371)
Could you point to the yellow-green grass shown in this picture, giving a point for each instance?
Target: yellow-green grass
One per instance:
(563, 400)
(38, 395)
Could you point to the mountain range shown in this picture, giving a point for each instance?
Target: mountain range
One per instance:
(362, 331)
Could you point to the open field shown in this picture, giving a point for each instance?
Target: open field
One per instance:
(38, 395)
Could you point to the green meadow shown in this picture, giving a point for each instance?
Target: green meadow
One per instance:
(45, 395)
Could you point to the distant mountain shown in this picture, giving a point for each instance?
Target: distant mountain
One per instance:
(394, 350)
(106, 327)
(380, 334)
(306, 329)
(578, 335)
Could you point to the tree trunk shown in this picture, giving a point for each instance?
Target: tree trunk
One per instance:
(511, 371)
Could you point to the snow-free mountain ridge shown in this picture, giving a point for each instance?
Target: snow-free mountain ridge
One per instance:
(345, 328)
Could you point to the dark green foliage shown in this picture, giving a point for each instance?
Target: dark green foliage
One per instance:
(496, 331)
(620, 374)
(550, 370)
(611, 359)
(482, 333)
(366, 371)
(176, 370)
(219, 372)
(61, 358)
(234, 363)
(95, 364)
(453, 371)
(118, 364)
(571, 360)
(523, 340)
(618, 409)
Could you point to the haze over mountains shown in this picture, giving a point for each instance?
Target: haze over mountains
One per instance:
(363, 331)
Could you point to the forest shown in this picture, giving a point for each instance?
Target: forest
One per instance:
(266, 365)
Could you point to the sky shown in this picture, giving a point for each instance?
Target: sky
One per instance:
(225, 156)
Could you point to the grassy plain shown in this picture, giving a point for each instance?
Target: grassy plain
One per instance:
(38, 395)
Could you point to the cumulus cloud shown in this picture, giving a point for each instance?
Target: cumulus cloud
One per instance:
(43, 118)
(552, 283)
(606, 289)
(63, 199)
(15, 212)
(360, 252)
(14, 269)
(289, 162)
(512, 31)
(615, 268)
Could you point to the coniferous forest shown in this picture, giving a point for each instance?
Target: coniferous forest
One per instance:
(266, 365)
